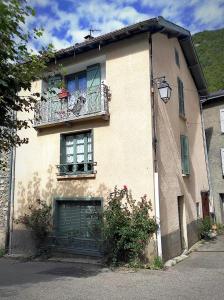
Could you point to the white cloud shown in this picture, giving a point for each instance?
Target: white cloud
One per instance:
(210, 13)
(109, 16)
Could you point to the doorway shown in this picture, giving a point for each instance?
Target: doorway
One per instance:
(205, 204)
(182, 222)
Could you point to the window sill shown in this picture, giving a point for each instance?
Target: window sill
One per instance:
(76, 177)
(185, 175)
(183, 117)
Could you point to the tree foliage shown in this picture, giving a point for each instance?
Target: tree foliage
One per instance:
(209, 46)
(19, 67)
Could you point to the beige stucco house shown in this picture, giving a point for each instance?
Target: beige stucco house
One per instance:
(114, 129)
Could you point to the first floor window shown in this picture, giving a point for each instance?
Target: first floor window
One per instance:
(222, 160)
(185, 163)
(76, 153)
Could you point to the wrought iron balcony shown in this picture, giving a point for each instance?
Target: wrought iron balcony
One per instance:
(90, 103)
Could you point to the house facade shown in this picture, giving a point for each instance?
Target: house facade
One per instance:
(213, 112)
(113, 129)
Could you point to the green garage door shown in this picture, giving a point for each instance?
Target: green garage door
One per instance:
(78, 229)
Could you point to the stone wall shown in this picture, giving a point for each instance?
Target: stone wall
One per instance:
(4, 198)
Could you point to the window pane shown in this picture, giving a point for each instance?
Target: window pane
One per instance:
(69, 140)
(69, 150)
(80, 149)
(90, 157)
(80, 139)
(89, 147)
(82, 83)
(69, 159)
(89, 138)
(71, 85)
(80, 158)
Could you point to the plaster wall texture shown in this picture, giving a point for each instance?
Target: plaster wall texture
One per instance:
(122, 145)
(215, 141)
(169, 128)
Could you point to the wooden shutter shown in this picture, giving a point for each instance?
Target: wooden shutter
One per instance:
(94, 88)
(222, 160)
(181, 96)
(62, 149)
(222, 120)
(54, 84)
(185, 155)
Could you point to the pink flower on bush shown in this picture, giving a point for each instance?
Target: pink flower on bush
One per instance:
(125, 187)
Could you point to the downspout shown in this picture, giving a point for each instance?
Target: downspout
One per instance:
(12, 201)
(9, 202)
(11, 198)
(156, 174)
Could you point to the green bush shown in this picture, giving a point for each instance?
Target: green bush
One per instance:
(2, 252)
(157, 264)
(39, 221)
(127, 227)
(205, 227)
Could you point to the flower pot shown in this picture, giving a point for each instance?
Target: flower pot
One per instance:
(63, 94)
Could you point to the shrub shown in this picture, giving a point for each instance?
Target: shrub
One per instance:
(2, 252)
(39, 221)
(127, 227)
(157, 264)
(205, 227)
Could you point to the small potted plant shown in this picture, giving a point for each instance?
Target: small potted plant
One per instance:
(63, 94)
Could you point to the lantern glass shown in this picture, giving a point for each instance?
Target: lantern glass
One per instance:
(164, 91)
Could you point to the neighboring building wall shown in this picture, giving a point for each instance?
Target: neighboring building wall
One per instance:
(122, 145)
(215, 141)
(169, 128)
(4, 199)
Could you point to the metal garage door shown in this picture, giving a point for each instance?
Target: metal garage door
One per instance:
(78, 229)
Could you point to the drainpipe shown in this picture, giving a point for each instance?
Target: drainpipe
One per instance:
(9, 202)
(156, 173)
(11, 208)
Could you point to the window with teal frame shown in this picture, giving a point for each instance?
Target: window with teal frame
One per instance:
(181, 97)
(185, 160)
(76, 154)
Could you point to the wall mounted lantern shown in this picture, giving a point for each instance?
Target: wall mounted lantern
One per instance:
(164, 88)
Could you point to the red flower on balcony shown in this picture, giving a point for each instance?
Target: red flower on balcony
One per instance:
(125, 187)
(63, 94)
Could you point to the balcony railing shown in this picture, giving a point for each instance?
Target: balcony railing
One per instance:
(88, 103)
(76, 168)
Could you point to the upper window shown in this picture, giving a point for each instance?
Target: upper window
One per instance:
(185, 161)
(177, 59)
(222, 119)
(76, 154)
(222, 160)
(181, 96)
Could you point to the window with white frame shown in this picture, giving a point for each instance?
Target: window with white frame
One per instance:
(222, 160)
(222, 119)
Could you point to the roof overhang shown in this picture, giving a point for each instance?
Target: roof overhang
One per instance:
(152, 26)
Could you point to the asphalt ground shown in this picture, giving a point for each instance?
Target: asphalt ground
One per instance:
(200, 276)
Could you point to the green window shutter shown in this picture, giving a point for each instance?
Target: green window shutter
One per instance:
(93, 88)
(185, 161)
(62, 154)
(177, 59)
(181, 96)
(54, 83)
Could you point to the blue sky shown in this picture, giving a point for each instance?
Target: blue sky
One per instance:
(66, 22)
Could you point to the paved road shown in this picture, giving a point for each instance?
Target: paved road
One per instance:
(201, 276)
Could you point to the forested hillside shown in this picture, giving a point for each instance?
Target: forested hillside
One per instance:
(210, 50)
